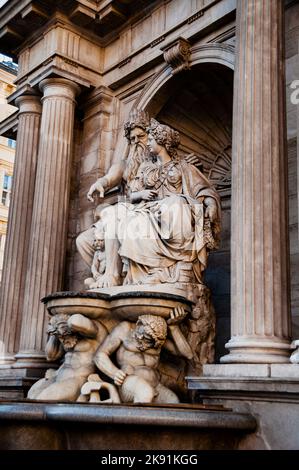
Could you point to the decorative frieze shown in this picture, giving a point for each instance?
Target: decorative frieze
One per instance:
(195, 17)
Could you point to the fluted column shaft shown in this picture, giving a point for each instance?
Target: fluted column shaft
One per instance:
(50, 214)
(19, 225)
(259, 268)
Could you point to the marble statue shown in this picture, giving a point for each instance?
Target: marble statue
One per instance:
(77, 338)
(122, 172)
(152, 244)
(138, 350)
(164, 234)
(92, 391)
(295, 354)
(98, 265)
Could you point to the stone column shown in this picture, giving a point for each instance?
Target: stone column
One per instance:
(260, 308)
(19, 226)
(47, 248)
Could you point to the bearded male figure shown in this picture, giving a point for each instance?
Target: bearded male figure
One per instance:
(122, 172)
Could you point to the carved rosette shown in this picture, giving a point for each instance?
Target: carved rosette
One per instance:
(177, 55)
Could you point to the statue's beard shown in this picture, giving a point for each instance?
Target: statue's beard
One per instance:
(138, 154)
(69, 342)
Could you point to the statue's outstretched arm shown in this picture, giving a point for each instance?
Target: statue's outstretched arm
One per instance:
(109, 346)
(54, 349)
(179, 345)
(112, 178)
(80, 324)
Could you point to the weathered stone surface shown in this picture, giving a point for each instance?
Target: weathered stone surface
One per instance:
(273, 401)
(236, 370)
(70, 427)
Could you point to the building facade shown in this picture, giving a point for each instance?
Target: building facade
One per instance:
(224, 74)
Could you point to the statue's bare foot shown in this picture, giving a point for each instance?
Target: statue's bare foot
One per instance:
(109, 280)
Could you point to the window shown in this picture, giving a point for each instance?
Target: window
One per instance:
(11, 143)
(7, 181)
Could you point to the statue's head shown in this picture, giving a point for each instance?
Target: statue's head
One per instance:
(135, 127)
(135, 132)
(59, 327)
(150, 332)
(165, 136)
(99, 236)
(99, 240)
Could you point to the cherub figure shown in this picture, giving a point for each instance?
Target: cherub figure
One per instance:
(77, 338)
(138, 349)
(98, 266)
(295, 354)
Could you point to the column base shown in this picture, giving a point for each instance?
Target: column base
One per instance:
(256, 350)
(31, 360)
(15, 383)
(6, 361)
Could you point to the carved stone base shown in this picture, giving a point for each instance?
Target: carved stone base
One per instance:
(45, 426)
(119, 303)
(246, 350)
(160, 333)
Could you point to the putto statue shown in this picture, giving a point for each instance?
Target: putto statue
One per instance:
(146, 320)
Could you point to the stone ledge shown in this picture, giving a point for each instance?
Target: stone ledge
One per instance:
(251, 370)
(236, 370)
(247, 387)
(50, 426)
(180, 416)
(285, 370)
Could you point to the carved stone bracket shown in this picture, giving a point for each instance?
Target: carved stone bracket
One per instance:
(177, 55)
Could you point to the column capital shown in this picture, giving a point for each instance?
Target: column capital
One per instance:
(29, 103)
(59, 87)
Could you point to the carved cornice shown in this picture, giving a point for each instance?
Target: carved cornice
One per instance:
(19, 19)
(177, 55)
(9, 126)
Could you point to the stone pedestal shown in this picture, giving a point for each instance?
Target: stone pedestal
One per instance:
(48, 426)
(50, 215)
(19, 226)
(269, 391)
(259, 268)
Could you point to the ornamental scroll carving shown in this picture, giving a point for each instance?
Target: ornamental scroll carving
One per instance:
(177, 55)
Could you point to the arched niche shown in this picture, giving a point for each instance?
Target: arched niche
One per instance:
(214, 53)
(210, 79)
(198, 103)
